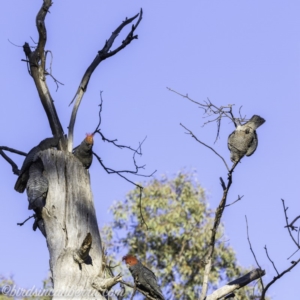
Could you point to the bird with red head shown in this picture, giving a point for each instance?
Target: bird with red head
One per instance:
(143, 277)
(84, 151)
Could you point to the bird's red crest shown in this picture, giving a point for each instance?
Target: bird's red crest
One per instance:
(89, 138)
(130, 260)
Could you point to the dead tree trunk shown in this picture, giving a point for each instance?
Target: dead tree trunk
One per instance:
(69, 216)
(69, 219)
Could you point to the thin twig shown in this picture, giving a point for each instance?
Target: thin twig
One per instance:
(119, 173)
(262, 284)
(98, 130)
(187, 97)
(21, 224)
(118, 145)
(209, 108)
(103, 54)
(294, 263)
(287, 224)
(217, 220)
(271, 259)
(14, 166)
(192, 134)
(100, 111)
(293, 254)
(50, 73)
(13, 150)
(238, 199)
(291, 225)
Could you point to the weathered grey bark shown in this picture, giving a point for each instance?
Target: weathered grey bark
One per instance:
(69, 215)
(37, 62)
(69, 218)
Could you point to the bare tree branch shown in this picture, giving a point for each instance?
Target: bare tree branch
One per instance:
(14, 166)
(217, 220)
(238, 199)
(287, 224)
(236, 284)
(37, 62)
(13, 150)
(210, 109)
(291, 225)
(98, 130)
(293, 254)
(192, 134)
(112, 171)
(263, 294)
(218, 112)
(262, 283)
(21, 224)
(103, 54)
(50, 67)
(135, 151)
(271, 260)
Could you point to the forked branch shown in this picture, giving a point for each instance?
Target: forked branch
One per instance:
(294, 264)
(14, 166)
(210, 109)
(215, 113)
(36, 61)
(212, 149)
(103, 54)
(137, 151)
(288, 226)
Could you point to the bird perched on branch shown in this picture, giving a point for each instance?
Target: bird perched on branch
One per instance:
(84, 151)
(243, 141)
(24, 172)
(143, 277)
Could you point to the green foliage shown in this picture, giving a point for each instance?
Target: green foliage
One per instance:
(174, 246)
(4, 282)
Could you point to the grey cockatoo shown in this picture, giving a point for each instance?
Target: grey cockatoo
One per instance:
(37, 189)
(243, 141)
(143, 277)
(37, 186)
(84, 151)
(38, 221)
(24, 172)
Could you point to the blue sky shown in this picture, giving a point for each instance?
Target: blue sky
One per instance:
(245, 53)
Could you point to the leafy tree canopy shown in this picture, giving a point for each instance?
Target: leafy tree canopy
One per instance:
(174, 246)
